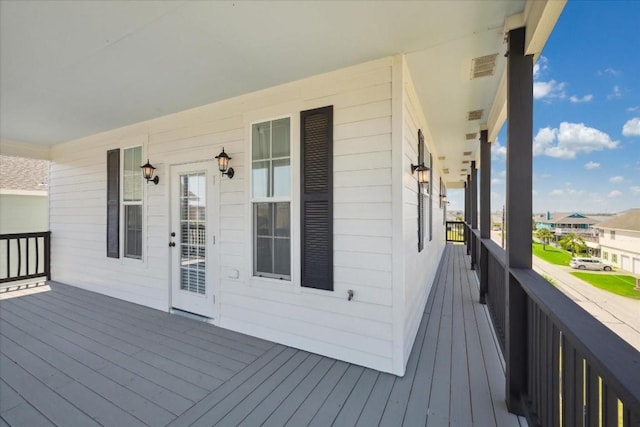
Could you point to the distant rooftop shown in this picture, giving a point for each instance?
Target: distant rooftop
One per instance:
(568, 218)
(21, 174)
(628, 220)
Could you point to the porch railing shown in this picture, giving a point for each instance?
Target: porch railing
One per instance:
(455, 231)
(576, 371)
(25, 256)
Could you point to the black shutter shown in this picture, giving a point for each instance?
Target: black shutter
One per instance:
(430, 185)
(113, 203)
(316, 172)
(420, 197)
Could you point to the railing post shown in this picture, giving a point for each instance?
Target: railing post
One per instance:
(467, 213)
(485, 211)
(519, 212)
(47, 254)
(474, 213)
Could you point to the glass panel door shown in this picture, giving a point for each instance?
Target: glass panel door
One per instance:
(193, 232)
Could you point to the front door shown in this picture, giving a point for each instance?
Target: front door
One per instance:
(193, 250)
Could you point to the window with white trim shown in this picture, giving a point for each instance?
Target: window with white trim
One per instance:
(271, 198)
(132, 182)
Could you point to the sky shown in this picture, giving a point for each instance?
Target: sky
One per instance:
(586, 124)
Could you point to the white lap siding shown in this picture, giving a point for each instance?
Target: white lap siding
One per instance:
(359, 331)
(419, 267)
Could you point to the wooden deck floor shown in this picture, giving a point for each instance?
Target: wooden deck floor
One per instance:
(70, 357)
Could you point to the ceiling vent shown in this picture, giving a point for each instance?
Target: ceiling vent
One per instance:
(474, 115)
(483, 66)
(445, 170)
(463, 170)
(466, 153)
(465, 162)
(441, 158)
(470, 136)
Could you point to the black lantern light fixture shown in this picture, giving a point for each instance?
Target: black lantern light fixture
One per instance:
(423, 176)
(223, 164)
(148, 171)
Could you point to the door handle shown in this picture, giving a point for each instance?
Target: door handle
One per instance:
(172, 244)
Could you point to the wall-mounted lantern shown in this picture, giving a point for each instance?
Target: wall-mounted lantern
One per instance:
(148, 171)
(423, 175)
(223, 164)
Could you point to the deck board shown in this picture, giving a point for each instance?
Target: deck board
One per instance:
(72, 357)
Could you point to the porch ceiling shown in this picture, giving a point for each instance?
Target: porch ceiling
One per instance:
(71, 69)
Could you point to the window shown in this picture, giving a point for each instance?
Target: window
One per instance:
(421, 195)
(614, 258)
(613, 234)
(605, 255)
(132, 202)
(271, 198)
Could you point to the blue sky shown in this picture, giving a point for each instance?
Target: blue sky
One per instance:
(586, 113)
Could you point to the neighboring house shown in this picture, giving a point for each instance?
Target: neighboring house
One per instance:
(24, 206)
(324, 239)
(620, 240)
(564, 223)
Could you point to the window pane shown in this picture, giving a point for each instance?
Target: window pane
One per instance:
(280, 134)
(282, 220)
(282, 256)
(264, 219)
(261, 140)
(260, 175)
(264, 256)
(281, 178)
(132, 174)
(133, 231)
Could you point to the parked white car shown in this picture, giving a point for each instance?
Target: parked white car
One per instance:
(589, 264)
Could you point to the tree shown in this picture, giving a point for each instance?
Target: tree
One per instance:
(573, 242)
(545, 235)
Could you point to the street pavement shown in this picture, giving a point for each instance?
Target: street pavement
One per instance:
(620, 314)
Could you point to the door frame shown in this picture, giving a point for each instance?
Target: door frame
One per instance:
(211, 298)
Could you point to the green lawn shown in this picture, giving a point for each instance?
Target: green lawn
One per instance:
(615, 283)
(552, 255)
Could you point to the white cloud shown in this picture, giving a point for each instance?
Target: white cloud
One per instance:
(592, 165)
(557, 193)
(617, 93)
(569, 140)
(496, 181)
(576, 99)
(635, 189)
(541, 65)
(634, 109)
(614, 193)
(550, 89)
(544, 140)
(632, 127)
(497, 150)
(616, 179)
(610, 71)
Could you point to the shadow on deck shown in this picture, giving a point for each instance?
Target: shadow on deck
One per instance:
(73, 357)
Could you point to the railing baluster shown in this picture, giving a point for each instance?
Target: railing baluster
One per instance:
(593, 398)
(554, 396)
(568, 383)
(37, 255)
(27, 256)
(19, 256)
(610, 406)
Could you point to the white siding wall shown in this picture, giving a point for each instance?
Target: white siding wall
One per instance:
(360, 331)
(625, 244)
(420, 267)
